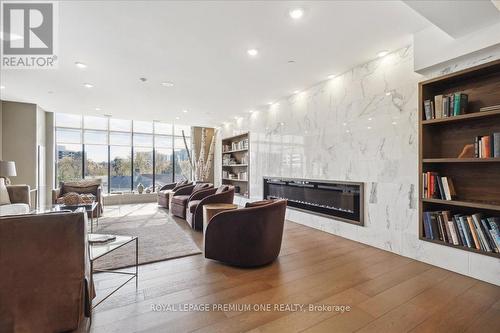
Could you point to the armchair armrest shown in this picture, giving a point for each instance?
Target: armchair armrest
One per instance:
(186, 190)
(202, 194)
(167, 186)
(19, 194)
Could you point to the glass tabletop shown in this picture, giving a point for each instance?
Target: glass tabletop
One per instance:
(97, 250)
(61, 208)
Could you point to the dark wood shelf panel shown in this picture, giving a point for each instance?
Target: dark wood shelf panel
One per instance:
(476, 180)
(461, 160)
(461, 247)
(469, 204)
(463, 117)
(235, 137)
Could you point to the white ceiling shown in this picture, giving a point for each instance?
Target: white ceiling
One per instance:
(201, 47)
(458, 18)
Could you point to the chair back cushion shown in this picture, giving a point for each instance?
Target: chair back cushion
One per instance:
(4, 194)
(82, 186)
(259, 203)
(201, 186)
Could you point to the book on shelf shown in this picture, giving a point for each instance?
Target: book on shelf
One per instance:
(487, 146)
(436, 187)
(472, 231)
(443, 106)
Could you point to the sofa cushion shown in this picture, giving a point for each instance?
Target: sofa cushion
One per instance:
(192, 205)
(222, 188)
(180, 199)
(82, 186)
(4, 194)
(14, 209)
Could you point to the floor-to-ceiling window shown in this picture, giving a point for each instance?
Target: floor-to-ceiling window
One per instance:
(122, 153)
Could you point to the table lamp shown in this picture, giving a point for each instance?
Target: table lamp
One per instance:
(7, 169)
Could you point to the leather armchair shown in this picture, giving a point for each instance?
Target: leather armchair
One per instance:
(246, 237)
(81, 187)
(46, 281)
(194, 210)
(181, 197)
(166, 190)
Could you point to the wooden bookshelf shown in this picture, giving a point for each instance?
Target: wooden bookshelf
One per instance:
(476, 180)
(239, 154)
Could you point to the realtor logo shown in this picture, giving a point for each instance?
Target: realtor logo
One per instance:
(29, 34)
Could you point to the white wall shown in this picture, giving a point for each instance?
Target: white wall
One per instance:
(306, 136)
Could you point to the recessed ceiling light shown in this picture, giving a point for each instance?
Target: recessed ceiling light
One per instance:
(382, 54)
(344, 124)
(98, 109)
(250, 111)
(252, 52)
(167, 84)
(370, 119)
(270, 103)
(282, 124)
(296, 13)
(88, 85)
(331, 76)
(394, 123)
(296, 91)
(347, 131)
(177, 118)
(388, 93)
(185, 111)
(2, 87)
(369, 127)
(80, 65)
(276, 104)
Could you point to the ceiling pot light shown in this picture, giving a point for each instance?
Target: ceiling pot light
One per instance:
(250, 111)
(388, 93)
(331, 76)
(177, 118)
(88, 85)
(167, 84)
(382, 54)
(296, 13)
(296, 91)
(80, 65)
(253, 52)
(98, 109)
(185, 111)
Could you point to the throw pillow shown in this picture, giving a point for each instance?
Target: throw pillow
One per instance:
(4, 194)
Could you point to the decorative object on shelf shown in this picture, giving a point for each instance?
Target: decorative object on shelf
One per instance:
(7, 169)
(140, 188)
(467, 152)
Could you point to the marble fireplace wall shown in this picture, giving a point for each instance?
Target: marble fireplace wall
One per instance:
(360, 126)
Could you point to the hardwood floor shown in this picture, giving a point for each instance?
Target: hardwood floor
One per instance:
(386, 293)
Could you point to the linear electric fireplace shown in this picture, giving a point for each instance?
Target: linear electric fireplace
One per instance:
(339, 200)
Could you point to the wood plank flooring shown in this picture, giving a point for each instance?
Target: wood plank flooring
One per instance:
(385, 292)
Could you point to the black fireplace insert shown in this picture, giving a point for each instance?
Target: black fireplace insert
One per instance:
(336, 199)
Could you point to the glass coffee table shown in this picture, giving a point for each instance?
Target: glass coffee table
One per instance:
(90, 208)
(100, 249)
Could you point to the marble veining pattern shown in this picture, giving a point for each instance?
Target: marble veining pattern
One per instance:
(360, 126)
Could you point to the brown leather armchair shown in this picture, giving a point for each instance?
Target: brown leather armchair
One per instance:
(86, 186)
(45, 282)
(246, 237)
(180, 198)
(166, 190)
(194, 210)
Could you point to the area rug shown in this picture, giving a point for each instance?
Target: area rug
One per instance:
(160, 237)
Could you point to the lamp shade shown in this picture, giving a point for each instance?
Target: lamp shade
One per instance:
(8, 169)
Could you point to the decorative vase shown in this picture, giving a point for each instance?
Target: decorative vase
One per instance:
(140, 188)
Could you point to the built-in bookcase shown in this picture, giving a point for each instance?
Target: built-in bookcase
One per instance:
(476, 180)
(236, 163)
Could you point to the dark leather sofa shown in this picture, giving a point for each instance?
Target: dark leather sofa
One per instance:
(246, 237)
(166, 190)
(194, 210)
(181, 197)
(45, 280)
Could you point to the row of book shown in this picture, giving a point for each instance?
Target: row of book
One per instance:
(437, 187)
(232, 175)
(487, 146)
(473, 231)
(446, 106)
(238, 145)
